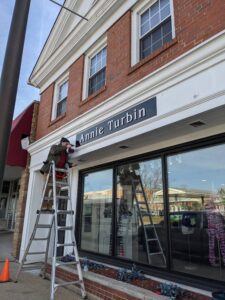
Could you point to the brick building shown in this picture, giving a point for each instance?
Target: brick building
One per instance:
(139, 89)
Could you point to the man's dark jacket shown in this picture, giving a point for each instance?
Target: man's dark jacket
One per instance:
(54, 155)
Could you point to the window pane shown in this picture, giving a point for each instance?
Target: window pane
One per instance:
(145, 22)
(146, 46)
(63, 91)
(164, 3)
(98, 62)
(155, 39)
(61, 108)
(97, 212)
(140, 233)
(155, 20)
(197, 211)
(96, 82)
(165, 12)
(154, 9)
(5, 187)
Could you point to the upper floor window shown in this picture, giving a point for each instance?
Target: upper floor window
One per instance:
(95, 68)
(152, 27)
(60, 97)
(155, 27)
(97, 71)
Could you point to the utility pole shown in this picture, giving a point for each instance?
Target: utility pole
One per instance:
(10, 76)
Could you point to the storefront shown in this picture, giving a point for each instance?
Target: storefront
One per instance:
(14, 168)
(185, 191)
(165, 133)
(8, 204)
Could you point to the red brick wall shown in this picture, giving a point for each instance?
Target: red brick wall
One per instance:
(195, 21)
(107, 293)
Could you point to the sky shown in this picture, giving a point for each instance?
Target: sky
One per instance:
(41, 18)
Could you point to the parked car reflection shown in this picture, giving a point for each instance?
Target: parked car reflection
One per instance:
(190, 235)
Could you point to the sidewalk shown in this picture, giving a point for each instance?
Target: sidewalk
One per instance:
(30, 286)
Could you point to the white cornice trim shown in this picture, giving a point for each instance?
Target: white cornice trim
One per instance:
(200, 58)
(101, 17)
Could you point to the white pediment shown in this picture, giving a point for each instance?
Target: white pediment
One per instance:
(65, 23)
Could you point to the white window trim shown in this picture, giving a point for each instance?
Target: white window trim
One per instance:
(135, 27)
(102, 43)
(58, 83)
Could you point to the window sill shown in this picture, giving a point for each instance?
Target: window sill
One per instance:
(92, 96)
(57, 119)
(153, 55)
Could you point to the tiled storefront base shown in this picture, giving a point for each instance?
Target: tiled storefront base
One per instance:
(102, 284)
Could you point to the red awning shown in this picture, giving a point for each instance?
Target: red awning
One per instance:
(21, 127)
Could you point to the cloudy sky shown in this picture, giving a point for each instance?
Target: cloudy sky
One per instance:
(41, 18)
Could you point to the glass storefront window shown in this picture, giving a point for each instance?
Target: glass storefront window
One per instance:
(196, 201)
(97, 212)
(140, 234)
(196, 190)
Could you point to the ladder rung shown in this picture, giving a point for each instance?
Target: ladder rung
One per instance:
(64, 227)
(58, 183)
(32, 266)
(65, 245)
(34, 253)
(60, 263)
(149, 240)
(68, 283)
(40, 239)
(46, 211)
(64, 188)
(44, 226)
(48, 198)
(62, 170)
(65, 212)
(142, 203)
(155, 253)
(62, 197)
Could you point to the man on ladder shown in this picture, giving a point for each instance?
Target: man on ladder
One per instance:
(56, 190)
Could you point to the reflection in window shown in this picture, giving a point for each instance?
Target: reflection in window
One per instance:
(97, 215)
(197, 210)
(140, 232)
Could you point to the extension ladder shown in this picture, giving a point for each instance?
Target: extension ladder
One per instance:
(56, 189)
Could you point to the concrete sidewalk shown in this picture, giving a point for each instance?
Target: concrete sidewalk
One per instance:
(30, 286)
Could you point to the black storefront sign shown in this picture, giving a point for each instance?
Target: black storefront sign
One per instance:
(127, 118)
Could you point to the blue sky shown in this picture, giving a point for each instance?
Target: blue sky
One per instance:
(41, 18)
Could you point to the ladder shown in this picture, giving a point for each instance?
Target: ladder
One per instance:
(152, 241)
(57, 190)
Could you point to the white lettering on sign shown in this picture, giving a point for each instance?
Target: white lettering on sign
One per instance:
(128, 118)
(125, 119)
(91, 135)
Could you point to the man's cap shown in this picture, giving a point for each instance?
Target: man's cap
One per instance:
(65, 140)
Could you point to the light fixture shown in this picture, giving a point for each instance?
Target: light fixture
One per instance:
(25, 141)
(197, 123)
